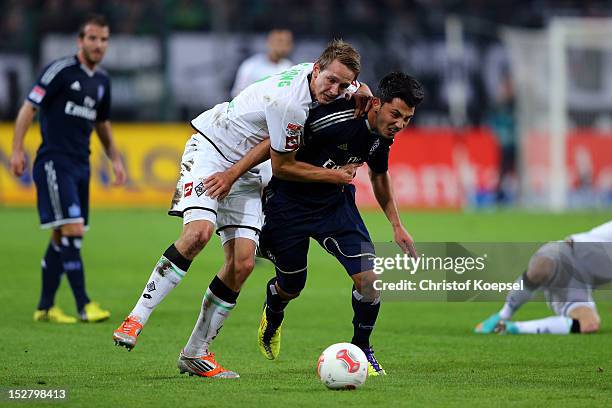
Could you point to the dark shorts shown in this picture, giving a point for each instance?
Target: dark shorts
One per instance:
(62, 191)
(336, 226)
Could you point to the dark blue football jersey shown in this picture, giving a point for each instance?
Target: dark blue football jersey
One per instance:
(333, 138)
(71, 98)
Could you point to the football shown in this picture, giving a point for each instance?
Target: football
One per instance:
(342, 366)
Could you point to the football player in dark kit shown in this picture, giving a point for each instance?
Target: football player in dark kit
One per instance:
(296, 211)
(73, 97)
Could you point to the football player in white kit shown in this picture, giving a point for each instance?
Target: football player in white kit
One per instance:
(274, 108)
(567, 271)
(263, 65)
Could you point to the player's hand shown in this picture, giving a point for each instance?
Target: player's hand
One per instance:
(119, 171)
(347, 172)
(363, 100)
(18, 163)
(219, 184)
(405, 241)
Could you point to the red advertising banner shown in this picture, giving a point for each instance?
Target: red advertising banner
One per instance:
(439, 168)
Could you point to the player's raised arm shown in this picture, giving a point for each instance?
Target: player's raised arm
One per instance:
(22, 124)
(104, 132)
(383, 191)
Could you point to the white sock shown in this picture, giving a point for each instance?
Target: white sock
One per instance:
(549, 325)
(517, 298)
(506, 312)
(166, 275)
(212, 316)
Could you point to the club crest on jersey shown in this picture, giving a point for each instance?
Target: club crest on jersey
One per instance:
(199, 189)
(187, 189)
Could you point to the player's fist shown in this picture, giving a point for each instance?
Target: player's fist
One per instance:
(18, 163)
(347, 172)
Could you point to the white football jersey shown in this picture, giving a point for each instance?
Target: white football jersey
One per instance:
(275, 107)
(255, 68)
(601, 233)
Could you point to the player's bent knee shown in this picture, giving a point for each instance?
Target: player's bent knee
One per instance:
(242, 268)
(540, 269)
(196, 235)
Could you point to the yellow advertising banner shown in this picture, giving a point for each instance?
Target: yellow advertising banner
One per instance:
(151, 153)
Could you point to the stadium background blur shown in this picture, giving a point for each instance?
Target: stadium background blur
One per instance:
(170, 60)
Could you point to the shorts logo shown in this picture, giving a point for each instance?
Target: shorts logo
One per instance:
(74, 211)
(199, 189)
(294, 133)
(187, 189)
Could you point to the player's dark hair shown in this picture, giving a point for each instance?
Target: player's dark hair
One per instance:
(94, 19)
(400, 85)
(344, 53)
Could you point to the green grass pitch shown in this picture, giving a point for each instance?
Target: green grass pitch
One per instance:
(428, 349)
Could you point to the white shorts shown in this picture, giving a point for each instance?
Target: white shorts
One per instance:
(238, 215)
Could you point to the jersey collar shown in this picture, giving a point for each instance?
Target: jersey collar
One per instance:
(90, 72)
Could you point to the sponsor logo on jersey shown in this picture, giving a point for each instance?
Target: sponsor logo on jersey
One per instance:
(187, 189)
(89, 102)
(75, 86)
(79, 111)
(37, 94)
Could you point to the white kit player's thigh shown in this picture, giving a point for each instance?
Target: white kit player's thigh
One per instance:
(240, 213)
(200, 160)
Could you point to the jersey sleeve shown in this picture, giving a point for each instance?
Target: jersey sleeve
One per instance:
(379, 160)
(47, 85)
(285, 126)
(105, 104)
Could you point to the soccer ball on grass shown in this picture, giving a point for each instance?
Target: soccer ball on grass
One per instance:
(343, 366)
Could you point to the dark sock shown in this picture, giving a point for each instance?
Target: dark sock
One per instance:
(575, 327)
(365, 314)
(173, 255)
(51, 274)
(275, 305)
(222, 291)
(70, 252)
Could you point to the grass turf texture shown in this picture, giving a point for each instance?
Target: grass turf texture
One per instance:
(428, 349)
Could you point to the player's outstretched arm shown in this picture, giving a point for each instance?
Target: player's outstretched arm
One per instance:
(22, 124)
(219, 184)
(284, 166)
(383, 191)
(104, 132)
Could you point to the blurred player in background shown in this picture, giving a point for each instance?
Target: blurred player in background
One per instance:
(73, 96)
(567, 271)
(275, 109)
(262, 65)
(297, 211)
(259, 66)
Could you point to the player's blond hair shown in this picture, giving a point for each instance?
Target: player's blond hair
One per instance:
(344, 53)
